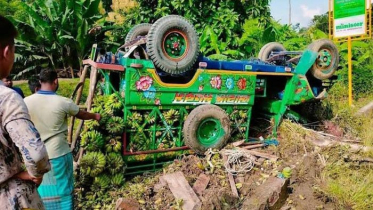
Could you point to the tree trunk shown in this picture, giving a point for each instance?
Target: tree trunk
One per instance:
(71, 71)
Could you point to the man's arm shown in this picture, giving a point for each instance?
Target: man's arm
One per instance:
(83, 115)
(16, 123)
(73, 110)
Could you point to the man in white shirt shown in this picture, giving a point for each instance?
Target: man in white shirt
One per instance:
(49, 112)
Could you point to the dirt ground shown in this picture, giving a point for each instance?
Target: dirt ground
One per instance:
(303, 190)
(300, 194)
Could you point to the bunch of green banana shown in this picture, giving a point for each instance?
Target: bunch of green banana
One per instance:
(117, 180)
(92, 163)
(115, 125)
(114, 162)
(166, 143)
(86, 180)
(242, 114)
(139, 142)
(104, 116)
(91, 125)
(171, 116)
(134, 119)
(114, 144)
(158, 133)
(242, 128)
(101, 182)
(92, 141)
(234, 115)
(99, 100)
(150, 119)
(97, 109)
(112, 104)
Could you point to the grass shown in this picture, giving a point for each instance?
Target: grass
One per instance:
(347, 182)
(337, 108)
(65, 89)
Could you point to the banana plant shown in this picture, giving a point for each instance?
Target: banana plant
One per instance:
(29, 58)
(59, 29)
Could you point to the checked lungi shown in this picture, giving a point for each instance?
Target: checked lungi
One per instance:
(57, 187)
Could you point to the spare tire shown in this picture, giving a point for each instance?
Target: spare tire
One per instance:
(327, 59)
(138, 30)
(207, 126)
(267, 49)
(173, 44)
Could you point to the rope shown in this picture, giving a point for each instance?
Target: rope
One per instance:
(238, 161)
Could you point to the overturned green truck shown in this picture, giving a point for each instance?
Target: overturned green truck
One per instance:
(173, 98)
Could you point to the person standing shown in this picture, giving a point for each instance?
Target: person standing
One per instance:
(49, 113)
(8, 82)
(20, 143)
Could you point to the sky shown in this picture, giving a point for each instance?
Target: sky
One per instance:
(302, 10)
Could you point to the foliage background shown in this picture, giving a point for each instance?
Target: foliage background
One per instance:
(54, 34)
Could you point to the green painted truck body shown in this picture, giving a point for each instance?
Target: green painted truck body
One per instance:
(151, 136)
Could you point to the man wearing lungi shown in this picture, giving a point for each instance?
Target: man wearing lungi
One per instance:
(23, 156)
(49, 113)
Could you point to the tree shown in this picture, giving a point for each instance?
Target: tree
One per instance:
(13, 9)
(58, 30)
(321, 22)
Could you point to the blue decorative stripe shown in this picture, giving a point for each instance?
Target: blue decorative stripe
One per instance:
(46, 92)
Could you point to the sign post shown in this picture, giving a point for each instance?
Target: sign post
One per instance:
(349, 54)
(349, 20)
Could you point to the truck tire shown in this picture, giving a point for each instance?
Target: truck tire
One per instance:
(173, 44)
(267, 49)
(207, 126)
(138, 30)
(327, 60)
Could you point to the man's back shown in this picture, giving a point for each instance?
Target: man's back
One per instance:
(49, 113)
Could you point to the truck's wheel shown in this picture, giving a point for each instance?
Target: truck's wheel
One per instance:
(207, 126)
(267, 49)
(138, 30)
(173, 44)
(327, 60)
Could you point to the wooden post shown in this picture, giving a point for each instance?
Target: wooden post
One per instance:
(77, 100)
(92, 87)
(76, 136)
(91, 94)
